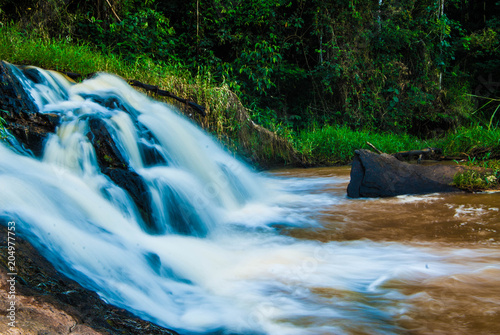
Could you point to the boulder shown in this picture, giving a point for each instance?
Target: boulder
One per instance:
(374, 175)
(107, 153)
(116, 167)
(21, 115)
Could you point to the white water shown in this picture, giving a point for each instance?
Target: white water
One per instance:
(243, 276)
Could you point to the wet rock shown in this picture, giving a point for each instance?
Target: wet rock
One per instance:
(150, 147)
(116, 167)
(151, 155)
(374, 175)
(108, 154)
(182, 218)
(137, 189)
(23, 119)
(50, 303)
(31, 128)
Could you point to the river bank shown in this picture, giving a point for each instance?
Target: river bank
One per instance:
(47, 302)
(228, 120)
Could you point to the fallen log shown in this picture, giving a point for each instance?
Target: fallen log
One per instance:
(423, 154)
(427, 154)
(436, 154)
(163, 93)
(374, 175)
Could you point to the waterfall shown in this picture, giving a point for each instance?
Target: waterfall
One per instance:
(177, 231)
(90, 226)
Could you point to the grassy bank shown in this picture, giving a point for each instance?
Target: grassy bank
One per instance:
(22, 48)
(227, 119)
(486, 177)
(479, 145)
(332, 145)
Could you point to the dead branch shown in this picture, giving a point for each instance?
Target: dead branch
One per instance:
(113, 10)
(163, 93)
(426, 154)
(374, 148)
(150, 88)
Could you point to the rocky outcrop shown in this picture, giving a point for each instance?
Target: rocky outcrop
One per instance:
(30, 127)
(117, 168)
(374, 175)
(21, 114)
(50, 303)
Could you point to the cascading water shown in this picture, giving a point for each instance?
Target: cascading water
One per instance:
(207, 256)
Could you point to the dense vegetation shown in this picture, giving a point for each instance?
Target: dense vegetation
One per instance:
(325, 75)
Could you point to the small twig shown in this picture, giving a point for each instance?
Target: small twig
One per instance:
(116, 15)
(374, 148)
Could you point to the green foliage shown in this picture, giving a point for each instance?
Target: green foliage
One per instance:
(471, 140)
(487, 112)
(331, 145)
(23, 48)
(402, 66)
(479, 53)
(477, 180)
(309, 70)
(145, 33)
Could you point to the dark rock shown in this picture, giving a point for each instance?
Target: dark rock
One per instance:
(116, 167)
(30, 127)
(148, 146)
(23, 119)
(374, 175)
(183, 220)
(101, 137)
(137, 189)
(111, 102)
(151, 156)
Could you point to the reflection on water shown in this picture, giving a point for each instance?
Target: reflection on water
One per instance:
(463, 227)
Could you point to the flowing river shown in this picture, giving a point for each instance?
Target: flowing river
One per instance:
(453, 229)
(232, 251)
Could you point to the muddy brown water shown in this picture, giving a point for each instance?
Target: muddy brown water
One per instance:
(454, 225)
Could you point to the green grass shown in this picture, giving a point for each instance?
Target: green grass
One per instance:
(333, 145)
(22, 48)
(477, 180)
(485, 175)
(474, 140)
(226, 117)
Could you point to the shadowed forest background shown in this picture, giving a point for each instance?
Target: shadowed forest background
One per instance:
(311, 71)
